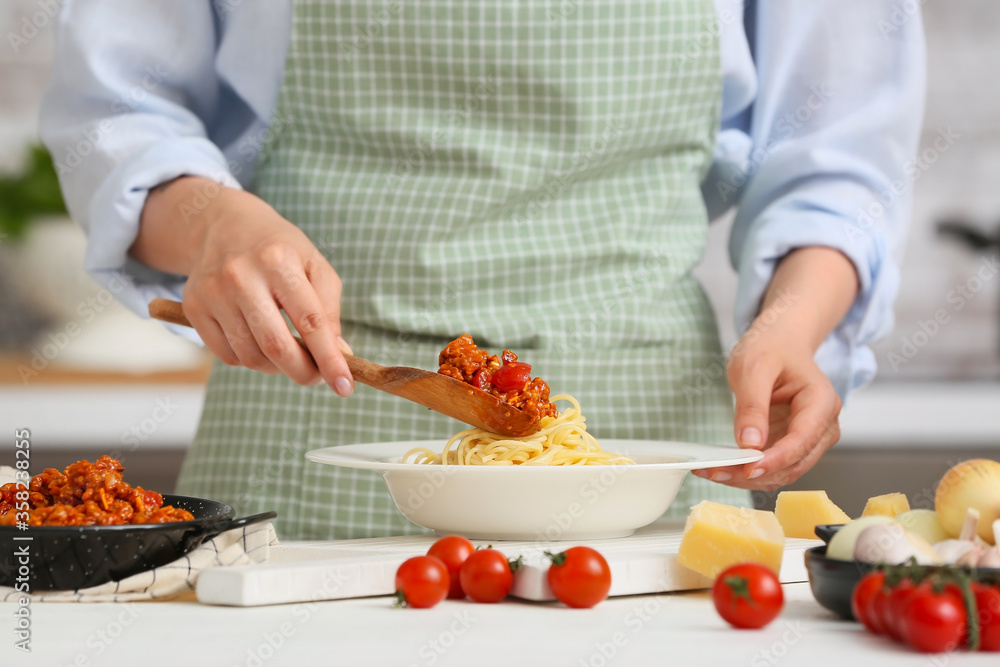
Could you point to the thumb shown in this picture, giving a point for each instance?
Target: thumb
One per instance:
(753, 388)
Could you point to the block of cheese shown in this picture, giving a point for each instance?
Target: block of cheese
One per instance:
(889, 504)
(799, 512)
(717, 536)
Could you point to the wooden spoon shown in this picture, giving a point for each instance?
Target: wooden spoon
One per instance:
(432, 390)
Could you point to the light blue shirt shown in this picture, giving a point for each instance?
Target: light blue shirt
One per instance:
(821, 111)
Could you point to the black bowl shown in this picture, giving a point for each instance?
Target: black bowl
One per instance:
(832, 581)
(75, 557)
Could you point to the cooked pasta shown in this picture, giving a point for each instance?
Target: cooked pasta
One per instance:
(561, 440)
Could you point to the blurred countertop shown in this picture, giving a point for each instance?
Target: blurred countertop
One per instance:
(68, 409)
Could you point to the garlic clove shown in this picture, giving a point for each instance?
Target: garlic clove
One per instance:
(990, 558)
(954, 552)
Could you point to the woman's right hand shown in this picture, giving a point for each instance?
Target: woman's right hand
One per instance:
(245, 264)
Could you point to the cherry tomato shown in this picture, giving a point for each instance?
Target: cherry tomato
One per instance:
(579, 577)
(877, 610)
(894, 609)
(486, 576)
(748, 595)
(512, 376)
(452, 551)
(421, 582)
(481, 380)
(869, 585)
(988, 607)
(934, 622)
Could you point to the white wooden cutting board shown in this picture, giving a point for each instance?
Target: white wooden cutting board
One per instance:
(645, 562)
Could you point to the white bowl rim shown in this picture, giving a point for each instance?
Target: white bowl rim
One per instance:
(696, 456)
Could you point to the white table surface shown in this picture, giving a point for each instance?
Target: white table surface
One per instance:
(914, 415)
(677, 629)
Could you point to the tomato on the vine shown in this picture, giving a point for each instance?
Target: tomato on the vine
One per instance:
(579, 577)
(934, 621)
(421, 582)
(988, 607)
(487, 576)
(894, 609)
(512, 376)
(748, 595)
(861, 597)
(453, 550)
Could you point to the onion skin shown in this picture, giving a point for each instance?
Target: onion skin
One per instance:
(973, 483)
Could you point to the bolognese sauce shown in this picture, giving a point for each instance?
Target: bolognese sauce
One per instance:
(87, 494)
(504, 377)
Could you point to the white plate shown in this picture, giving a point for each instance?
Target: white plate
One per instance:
(543, 503)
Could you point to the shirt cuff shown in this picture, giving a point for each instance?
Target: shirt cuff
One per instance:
(116, 209)
(844, 356)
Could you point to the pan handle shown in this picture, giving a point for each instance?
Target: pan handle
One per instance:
(215, 529)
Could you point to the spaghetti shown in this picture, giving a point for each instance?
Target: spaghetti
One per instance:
(562, 440)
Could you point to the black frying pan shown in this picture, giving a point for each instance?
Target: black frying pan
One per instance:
(75, 557)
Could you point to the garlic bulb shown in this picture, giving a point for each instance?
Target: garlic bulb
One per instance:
(976, 484)
(891, 544)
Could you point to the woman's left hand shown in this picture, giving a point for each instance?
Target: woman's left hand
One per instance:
(784, 404)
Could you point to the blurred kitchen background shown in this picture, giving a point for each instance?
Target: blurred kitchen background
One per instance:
(87, 377)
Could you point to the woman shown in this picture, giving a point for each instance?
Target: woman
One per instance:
(535, 174)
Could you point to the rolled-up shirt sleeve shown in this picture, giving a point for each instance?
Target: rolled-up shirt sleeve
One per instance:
(127, 109)
(830, 159)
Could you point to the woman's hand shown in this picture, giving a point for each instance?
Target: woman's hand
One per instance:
(785, 404)
(245, 264)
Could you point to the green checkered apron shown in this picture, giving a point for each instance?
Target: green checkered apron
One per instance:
(526, 172)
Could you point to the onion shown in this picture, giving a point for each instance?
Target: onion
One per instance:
(924, 523)
(976, 484)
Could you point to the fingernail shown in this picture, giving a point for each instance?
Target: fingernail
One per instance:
(721, 477)
(343, 387)
(344, 347)
(751, 436)
(318, 381)
(755, 473)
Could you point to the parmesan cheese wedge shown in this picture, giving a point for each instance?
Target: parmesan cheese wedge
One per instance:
(717, 536)
(889, 504)
(799, 512)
